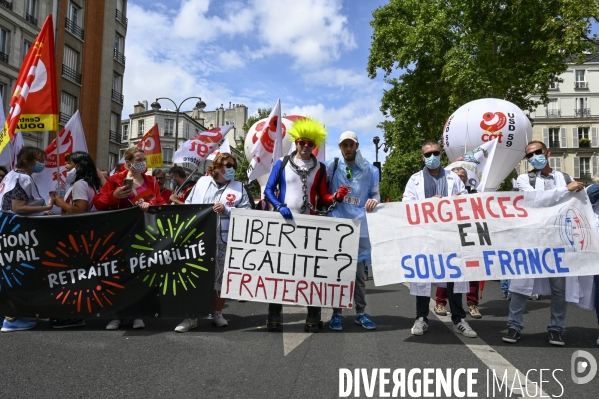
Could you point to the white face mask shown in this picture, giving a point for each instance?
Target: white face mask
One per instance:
(71, 175)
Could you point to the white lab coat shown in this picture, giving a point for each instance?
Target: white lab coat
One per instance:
(415, 191)
(579, 289)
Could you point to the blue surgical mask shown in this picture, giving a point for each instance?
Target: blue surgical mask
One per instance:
(432, 162)
(229, 174)
(538, 161)
(38, 167)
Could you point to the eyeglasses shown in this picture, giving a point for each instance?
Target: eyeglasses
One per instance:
(435, 153)
(305, 143)
(348, 173)
(531, 154)
(231, 165)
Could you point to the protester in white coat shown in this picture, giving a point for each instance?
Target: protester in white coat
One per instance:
(562, 289)
(431, 182)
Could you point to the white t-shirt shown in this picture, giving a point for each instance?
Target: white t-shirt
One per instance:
(81, 191)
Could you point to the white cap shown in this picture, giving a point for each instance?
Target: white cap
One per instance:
(348, 135)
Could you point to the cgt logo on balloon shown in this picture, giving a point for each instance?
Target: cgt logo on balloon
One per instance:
(493, 122)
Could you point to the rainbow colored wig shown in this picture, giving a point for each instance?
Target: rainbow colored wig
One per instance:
(309, 129)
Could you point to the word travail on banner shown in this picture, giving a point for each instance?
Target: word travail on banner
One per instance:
(308, 261)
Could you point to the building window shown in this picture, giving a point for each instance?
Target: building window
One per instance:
(582, 109)
(112, 160)
(552, 109)
(126, 132)
(585, 167)
(119, 43)
(68, 104)
(3, 45)
(75, 14)
(581, 83)
(583, 137)
(169, 125)
(114, 127)
(26, 47)
(30, 13)
(117, 82)
(554, 137)
(186, 130)
(71, 58)
(555, 163)
(167, 155)
(140, 128)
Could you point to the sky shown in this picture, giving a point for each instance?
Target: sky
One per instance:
(311, 54)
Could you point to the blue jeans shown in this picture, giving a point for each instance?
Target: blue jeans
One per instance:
(597, 296)
(559, 306)
(505, 286)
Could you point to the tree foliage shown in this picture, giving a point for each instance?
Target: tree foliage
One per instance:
(438, 55)
(243, 164)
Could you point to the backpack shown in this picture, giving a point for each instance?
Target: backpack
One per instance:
(532, 178)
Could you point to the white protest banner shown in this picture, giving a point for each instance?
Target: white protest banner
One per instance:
(308, 261)
(490, 236)
(224, 147)
(196, 149)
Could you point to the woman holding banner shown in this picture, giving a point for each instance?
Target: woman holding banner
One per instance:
(220, 189)
(127, 189)
(19, 194)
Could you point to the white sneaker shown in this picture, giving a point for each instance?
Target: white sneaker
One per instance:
(218, 320)
(186, 325)
(138, 323)
(114, 324)
(464, 328)
(420, 326)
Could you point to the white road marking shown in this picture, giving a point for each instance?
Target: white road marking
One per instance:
(493, 360)
(293, 332)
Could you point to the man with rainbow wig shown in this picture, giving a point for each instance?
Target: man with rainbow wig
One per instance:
(295, 185)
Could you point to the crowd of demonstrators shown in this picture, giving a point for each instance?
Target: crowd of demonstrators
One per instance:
(221, 189)
(182, 183)
(20, 195)
(434, 181)
(295, 185)
(362, 179)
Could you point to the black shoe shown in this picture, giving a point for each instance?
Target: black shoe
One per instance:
(512, 336)
(66, 323)
(555, 338)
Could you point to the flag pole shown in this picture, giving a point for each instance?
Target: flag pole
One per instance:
(58, 167)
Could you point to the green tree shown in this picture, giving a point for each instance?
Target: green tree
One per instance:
(438, 55)
(243, 164)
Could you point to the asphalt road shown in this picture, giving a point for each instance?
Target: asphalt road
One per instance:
(244, 360)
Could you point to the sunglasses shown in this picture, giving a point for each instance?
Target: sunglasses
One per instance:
(305, 143)
(435, 153)
(348, 173)
(231, 165)
(531, 154)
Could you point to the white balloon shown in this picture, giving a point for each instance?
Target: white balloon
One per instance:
(483, 120)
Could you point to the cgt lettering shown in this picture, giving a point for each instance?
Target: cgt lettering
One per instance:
(424, 266)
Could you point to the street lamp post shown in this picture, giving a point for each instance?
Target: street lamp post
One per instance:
(376, 140)
(156, 107)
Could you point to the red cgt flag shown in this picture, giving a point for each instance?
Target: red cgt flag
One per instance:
(150, 143)
(34, 104)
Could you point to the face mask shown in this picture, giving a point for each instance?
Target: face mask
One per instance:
(38, 167)
(71, 174)
(138, 167)
(538, 161)
(229, 173)
(432, 162)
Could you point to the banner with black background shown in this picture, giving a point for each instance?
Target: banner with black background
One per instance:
(116, 264)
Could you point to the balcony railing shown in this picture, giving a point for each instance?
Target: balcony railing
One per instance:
(581, 85)
(71, 74)
(554, 86)
(31, 19)
(117, 97)
(121, 18)
(63, 118)
(553, 113)
(115, 137)
(585, 175)
(74, 29)
(6, 4)
(582, 112)
(3, 57)
(119, 56)
(554, 144)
